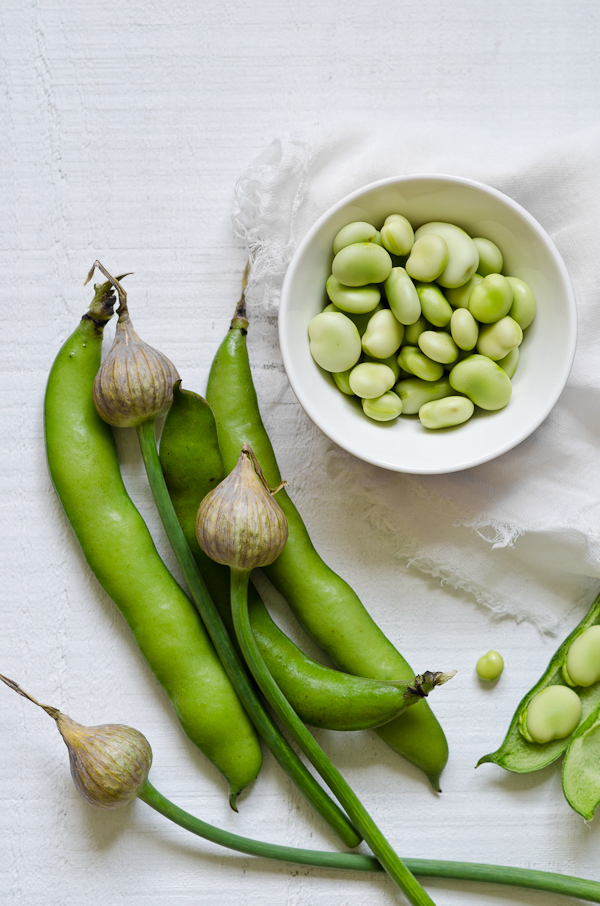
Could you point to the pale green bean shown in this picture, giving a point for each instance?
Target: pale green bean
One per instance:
(551, 714)
(491, 260)
(509, 362)
(397, 235)
(523, 305)
(428, 258)
(498, 339)
(491, 299)
(459, 297)
(383, 408)
(359, 231)
(439, 346)
(415, 392)
(446, 413)
(434, 305)
(463, 256)
(490, 666)
(483, 381)
(411, 359)
(334, 341)
(582, 665)
(383, 335)
(361, 263)
(464, 329)
(353, 299)
(370, 380)
(402, 296)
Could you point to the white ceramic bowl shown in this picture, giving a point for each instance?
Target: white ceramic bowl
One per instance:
(403, 445)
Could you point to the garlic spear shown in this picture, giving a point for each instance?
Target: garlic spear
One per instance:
(109, 763)
(135, 382)
(239, 523)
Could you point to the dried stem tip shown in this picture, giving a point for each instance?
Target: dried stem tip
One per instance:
(239, 523)
(108, 763)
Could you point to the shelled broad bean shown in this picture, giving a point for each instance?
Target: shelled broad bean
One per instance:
(421, 303)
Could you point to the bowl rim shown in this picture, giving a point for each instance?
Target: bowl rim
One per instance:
(571, 338)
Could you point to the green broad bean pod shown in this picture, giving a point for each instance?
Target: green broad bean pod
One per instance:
(580, 775)
(322, 697)
(84, 467)
(521, 756)
(324, 604)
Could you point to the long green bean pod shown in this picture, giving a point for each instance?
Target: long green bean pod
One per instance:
(325, 605)
(132, 388)
(322, 697)
(84, 467)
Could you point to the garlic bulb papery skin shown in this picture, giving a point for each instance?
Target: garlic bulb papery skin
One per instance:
(135, 382)
(239, 523)
(108, 763)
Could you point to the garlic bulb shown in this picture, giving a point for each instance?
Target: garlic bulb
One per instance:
(239, 523)
(109, 764)
(135, 382)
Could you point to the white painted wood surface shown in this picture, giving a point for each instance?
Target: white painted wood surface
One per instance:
(124, 128)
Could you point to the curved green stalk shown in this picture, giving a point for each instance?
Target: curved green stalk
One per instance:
(280, 748)
(391, 862)
(425, 868)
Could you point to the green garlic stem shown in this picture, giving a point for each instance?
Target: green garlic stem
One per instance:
(264, 724)
(381, 848)
(425, 868)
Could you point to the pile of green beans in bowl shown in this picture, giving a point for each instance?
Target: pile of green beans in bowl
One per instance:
(421, 322)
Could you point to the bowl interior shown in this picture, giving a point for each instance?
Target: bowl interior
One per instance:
(546, 352)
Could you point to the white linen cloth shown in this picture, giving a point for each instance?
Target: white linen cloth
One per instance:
(520, 533)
